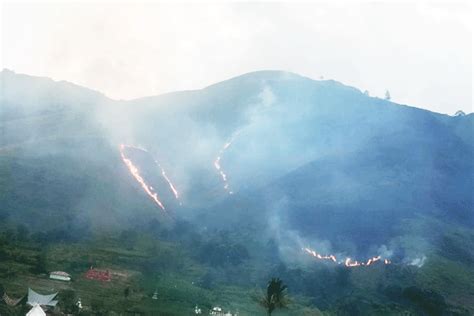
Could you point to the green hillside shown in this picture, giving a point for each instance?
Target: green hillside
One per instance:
(309, 163)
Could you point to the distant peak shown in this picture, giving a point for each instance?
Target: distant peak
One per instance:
(7, 73)
(459, 113)
(263, 75)
(270, 73)
(6, 70)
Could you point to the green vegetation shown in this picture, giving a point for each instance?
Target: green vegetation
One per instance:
(275, 297)
(336, 166)
(138, 270)
(173, 262)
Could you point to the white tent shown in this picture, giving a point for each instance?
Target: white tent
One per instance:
(38, 299)
(36, 311)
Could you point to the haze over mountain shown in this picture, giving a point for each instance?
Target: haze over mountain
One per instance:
(240, 176)
(318, 157)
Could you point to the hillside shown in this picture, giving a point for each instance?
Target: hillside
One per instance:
(235, 179)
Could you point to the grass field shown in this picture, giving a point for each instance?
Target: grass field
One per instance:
(177, 286)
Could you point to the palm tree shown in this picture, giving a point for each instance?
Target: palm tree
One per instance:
(275, 297)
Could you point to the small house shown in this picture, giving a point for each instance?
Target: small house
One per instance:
(60, 275)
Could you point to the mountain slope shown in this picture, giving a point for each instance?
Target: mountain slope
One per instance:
(58, 170)
(309, 164)
(292, 137)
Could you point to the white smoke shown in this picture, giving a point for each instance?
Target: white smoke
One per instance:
(290, 242)
(418, 262)
(384, 252)
(267, 97)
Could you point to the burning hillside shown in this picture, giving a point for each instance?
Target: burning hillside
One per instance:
(140, 178)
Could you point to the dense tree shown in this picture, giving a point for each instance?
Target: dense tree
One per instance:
(67, 301)
(3, 254)
(98, 307)
(221, 252)
(429, 301)
(275, 297)
(207, 281)
(22, 232)
(129, 238)
(40, 264)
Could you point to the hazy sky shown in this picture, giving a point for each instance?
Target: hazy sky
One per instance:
(420, 52)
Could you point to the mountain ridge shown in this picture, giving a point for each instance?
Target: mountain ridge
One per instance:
(252, 76)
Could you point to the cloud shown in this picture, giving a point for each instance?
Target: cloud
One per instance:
(132, 50)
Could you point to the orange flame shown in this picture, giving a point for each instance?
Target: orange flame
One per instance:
(136, 174)
(348, 262)
(163, 172)
(172, 188)
(217, 164)
(319, 256)
(372, 260)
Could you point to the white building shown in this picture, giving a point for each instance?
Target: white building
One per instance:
(39, 299)
(60, 275)
(36, 311)
(197, 310)
(218, 311)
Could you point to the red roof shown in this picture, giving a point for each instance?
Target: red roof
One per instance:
(100, 275)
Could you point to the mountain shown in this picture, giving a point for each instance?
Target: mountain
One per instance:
(58, 170)
(323, 148)
(232, 180)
